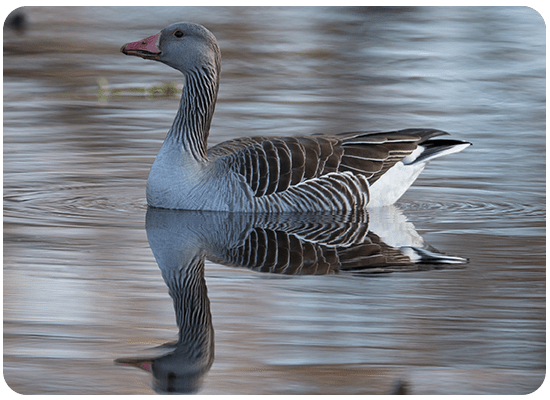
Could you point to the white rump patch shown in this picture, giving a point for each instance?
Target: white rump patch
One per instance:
(393, 184)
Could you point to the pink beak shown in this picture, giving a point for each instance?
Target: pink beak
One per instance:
(147, 48)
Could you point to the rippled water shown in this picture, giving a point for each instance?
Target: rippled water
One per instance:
(82, 127)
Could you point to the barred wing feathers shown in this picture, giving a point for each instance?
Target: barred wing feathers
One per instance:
(275, 165)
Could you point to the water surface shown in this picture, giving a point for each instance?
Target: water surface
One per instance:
(83, 123)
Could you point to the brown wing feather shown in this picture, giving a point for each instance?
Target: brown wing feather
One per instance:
(272, 159)
(298, 159)
(232, 146)
(311, 156)
(272, 165)
(285, 165)
(372, 154)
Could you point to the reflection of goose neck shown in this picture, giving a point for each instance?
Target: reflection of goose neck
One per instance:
(180, 257)
(184, 368)
(192, 306)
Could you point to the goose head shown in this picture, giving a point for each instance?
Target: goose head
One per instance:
(184, 46)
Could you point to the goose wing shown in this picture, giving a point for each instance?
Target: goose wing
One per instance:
(273, 165)
(373, 154)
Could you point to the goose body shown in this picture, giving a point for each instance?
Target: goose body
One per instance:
(343, 172)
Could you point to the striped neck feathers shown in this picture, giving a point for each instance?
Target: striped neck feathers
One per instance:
(198, 100)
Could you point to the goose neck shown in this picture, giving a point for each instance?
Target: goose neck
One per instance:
(198, 100)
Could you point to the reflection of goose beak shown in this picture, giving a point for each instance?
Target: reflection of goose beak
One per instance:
(141, 363)
(172, 372)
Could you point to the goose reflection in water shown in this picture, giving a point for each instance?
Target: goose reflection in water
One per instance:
(381, 240)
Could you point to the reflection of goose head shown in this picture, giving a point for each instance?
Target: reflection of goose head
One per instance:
(183, 369)
(175, 372)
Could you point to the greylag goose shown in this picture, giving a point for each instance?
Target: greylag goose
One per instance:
(334, 173)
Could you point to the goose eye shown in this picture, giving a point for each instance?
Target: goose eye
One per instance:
(178, 34)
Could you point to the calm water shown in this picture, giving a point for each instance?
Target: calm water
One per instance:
(82, 126)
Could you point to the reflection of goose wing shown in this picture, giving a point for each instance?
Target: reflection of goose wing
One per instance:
(310, 244)
(325, 229)
(277, 251)
(296, 243)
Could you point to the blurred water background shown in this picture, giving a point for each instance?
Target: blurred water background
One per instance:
(83, 123)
